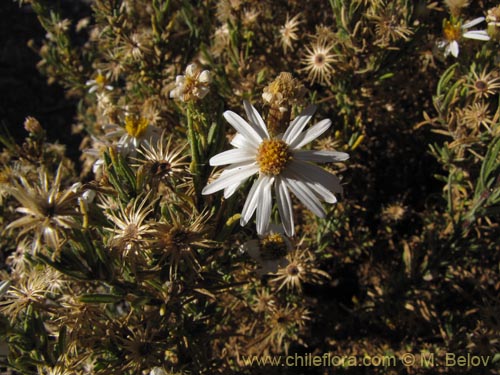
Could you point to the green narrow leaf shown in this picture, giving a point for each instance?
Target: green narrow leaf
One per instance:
(99, 298)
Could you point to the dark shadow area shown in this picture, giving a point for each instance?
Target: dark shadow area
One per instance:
(23, 90)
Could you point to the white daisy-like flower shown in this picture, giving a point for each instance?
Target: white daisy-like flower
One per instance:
(454, 31)
(136, 132)
(269, 250)
(193, 85)
(279, 162)
(100, 82)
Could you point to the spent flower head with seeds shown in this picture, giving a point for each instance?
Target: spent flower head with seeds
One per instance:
(283, 92)
(193, 85)
(279, 162)
(283, 325)
(177, 241)
(390, 26)
(453, 31)
(161, 159)
(318, 62)
(483, 84)
(130, 230)
(31, 289)
(476, 115)
(288, 32)
(299, 268)
(48, 209)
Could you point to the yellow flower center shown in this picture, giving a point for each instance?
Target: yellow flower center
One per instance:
(136, 126)
(452, 31)
(100, 79)
(273, 156)
(272, 246)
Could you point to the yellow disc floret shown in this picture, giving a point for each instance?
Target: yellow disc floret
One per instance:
(136, 126)
(273, 156)
(452, 31)
(100, 79)
(272, 246)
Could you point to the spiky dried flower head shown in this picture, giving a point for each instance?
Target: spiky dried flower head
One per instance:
(250, 17)
(135, 46)
(299, 269)
(288, 32)
(476, 115)
(456, 6)
(318, 62)
(394, 212)
(33, 288)
(227, 10)
(130, 232)
(162, 161)
(221, 39)
(483, 84)
(48, 210)
(493, 15)
(284, 324)
(141, 347)
(283, 92)
(390, 25)
(263, 300)
(177, 241)
(193, 85)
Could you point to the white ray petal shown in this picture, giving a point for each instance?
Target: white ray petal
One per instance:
(299, 124)
(230, 178)
(243, 127)
(236, 155)
(474, 22)
(311, 134)
(306, 196)
(253, 198)
(256, 120)
(320, 156)
(315, 174)
(239, 141)
(453, 48)
(284, 205)
(477, 35)
(263, 215)
(316, 187)
(230, 190)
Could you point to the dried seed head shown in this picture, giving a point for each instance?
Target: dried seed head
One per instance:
(32, 126)
(280, 95)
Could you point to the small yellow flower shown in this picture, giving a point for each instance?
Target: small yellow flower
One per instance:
(135, 125)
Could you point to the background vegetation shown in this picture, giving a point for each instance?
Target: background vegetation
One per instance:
(407, 261)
